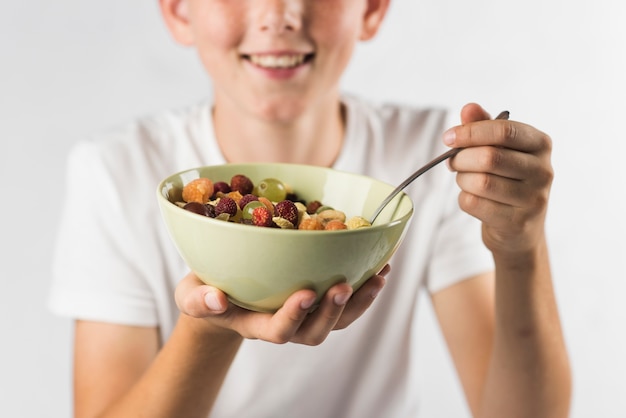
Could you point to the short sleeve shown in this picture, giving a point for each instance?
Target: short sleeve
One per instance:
(96, 275)
(458, 252)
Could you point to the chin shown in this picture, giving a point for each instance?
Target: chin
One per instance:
(285, 111)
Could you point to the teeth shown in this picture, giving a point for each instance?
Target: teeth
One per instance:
(277, 61)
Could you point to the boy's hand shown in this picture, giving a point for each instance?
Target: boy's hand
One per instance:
(293, 322)
(505, 176)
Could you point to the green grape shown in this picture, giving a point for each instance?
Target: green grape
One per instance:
(250, 206)
(271, 189)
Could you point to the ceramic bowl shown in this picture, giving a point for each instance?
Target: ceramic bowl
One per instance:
(259, 267)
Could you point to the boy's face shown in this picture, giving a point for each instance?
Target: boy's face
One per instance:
(273, 58)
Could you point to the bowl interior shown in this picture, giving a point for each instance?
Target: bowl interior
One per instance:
(355, 195)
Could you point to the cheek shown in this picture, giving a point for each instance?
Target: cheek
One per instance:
(217, 30)
(337, 29)
(337, 44)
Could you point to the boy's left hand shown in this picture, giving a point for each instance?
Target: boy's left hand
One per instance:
(291, 323)
(505, 176)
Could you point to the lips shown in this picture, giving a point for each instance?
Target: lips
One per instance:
(278, 61)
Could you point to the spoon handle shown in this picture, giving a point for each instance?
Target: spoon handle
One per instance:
(450, 153)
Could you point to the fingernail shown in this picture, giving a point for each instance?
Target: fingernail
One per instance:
(342, 298)
(211, 301)
(449, 136)
(306, 304)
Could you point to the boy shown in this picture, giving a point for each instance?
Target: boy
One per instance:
(275, 67)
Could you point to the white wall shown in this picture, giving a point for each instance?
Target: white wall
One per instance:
(70, 68)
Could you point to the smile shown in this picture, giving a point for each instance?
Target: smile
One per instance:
(278, 61)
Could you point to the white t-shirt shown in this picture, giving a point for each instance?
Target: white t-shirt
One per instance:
(115, 262)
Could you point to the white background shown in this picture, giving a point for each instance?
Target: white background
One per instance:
(71, 68)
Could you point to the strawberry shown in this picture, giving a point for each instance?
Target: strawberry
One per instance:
(261, 216)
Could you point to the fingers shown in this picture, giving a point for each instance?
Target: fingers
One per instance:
(362, 300)
(322, 320)
(501, 154)
(506, 176)
(505, 163)
(196, 299)
(504, 172)
(473, 112)
(340, 308)
(293, 322)
(279, 327)
(200, 301)
(500, 133)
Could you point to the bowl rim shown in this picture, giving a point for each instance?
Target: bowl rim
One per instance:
(402, 195)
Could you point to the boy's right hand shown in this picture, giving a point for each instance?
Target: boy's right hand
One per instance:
(293, 322)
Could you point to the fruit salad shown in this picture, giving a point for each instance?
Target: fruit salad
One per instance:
(269, 203)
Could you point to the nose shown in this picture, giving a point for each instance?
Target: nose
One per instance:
(278, 16)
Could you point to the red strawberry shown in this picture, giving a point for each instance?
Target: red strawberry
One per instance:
(261, 216)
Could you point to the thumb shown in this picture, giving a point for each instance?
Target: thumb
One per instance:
(473, 112)
(198, 300)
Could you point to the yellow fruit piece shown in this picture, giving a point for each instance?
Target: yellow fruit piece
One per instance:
(335, 225)
(357, 222)
(282, 223)
(330, 215)
(198, 190)
(311, 224)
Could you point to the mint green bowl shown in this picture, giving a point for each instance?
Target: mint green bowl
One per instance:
(258, 268)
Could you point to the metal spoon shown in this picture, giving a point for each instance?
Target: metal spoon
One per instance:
(450, 153)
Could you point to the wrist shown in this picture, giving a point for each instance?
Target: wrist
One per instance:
(522, 271)
(523, 259)
(204, 331)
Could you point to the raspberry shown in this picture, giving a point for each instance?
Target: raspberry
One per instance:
(261, 216)
(241, 184)
(246, 211)
(198, 190)
(226, 205)
(240, 201)
(287, 210)
(268, 204)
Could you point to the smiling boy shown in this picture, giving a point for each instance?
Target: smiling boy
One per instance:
(275, 67)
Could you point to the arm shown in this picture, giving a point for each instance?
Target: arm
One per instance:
(120, 370)
(503, 330)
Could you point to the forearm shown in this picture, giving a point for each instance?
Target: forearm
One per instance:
(528, 375)
(185, 377)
